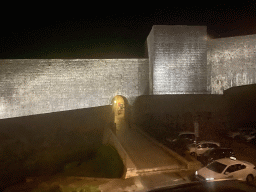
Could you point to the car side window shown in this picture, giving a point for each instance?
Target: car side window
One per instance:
(213, 146)
(242, 166)
(191, 137)
(183, 136)
(204, 145)
(231, 169)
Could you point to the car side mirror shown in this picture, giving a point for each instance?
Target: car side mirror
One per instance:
(226, 173)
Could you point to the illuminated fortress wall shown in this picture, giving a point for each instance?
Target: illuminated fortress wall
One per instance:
(232, 61)
(181, 61)
(178, 60)
(36, 86)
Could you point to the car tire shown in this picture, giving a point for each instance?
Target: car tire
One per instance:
(249, 178)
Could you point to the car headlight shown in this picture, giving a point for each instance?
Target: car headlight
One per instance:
(196, 173)
(209, 179)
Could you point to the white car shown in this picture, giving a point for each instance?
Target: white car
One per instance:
(201, 147)
(227, 168)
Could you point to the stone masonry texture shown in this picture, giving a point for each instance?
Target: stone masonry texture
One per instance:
(36, 86)
(178, 59)
(231, 62)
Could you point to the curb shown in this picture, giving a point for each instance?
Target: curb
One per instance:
(111, 139)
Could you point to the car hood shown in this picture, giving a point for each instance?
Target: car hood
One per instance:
(207, 173)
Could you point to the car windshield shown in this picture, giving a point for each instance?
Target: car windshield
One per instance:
(216, 167)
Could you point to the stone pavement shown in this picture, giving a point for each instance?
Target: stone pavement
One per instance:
(145, 154)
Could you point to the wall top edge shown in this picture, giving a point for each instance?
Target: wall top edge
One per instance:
(134, 59)
(170, 26)
(241, 37)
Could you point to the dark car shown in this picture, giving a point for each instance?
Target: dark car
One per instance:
(214, 154)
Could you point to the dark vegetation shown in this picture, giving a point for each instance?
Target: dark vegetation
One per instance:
(23, 155)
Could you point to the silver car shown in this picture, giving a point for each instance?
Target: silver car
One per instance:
(201, 147)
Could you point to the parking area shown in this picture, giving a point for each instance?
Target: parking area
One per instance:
(244, 151)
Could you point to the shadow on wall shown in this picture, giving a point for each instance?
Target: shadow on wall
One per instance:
(242, 105)
(163, 115)
(41, 144)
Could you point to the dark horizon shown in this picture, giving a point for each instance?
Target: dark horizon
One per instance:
(118, 34)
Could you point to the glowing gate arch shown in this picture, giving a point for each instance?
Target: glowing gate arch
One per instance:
(119, 105)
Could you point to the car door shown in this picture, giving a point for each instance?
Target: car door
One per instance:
(202, 148)
(230, 172)
(237, 171)
(241, 172)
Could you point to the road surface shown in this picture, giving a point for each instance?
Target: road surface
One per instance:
(145, 154)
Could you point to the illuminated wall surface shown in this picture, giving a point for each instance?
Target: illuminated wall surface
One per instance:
(35, 86)
(232, 61)
(178, 60)
(181, 61)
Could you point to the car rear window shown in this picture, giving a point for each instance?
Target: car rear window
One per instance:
(213, 146)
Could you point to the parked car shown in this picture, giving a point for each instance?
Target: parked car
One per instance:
(247, 135)
(237, 132)
(202, 147)
(214, 154)
(227, 168)
(187, 136)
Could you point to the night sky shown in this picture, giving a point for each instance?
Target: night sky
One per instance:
(110, 31)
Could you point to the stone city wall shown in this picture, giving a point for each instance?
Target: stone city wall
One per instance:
(232, 62)
(36, 86)
(177, 56)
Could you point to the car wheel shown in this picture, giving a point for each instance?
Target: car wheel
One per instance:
(249, 178)
(193, 154)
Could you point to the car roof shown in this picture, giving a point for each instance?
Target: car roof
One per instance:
(186, 132)
(246, 162)
(229, 161)
(214, 142)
